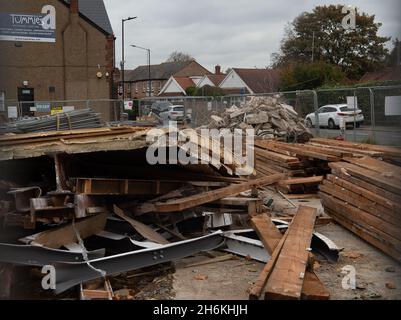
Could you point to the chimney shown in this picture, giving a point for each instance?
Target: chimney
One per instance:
(74, 6)
(217, 70)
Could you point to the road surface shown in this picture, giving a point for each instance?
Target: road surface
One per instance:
(390, 136)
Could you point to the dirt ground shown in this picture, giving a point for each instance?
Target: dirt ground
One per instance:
(377, 276)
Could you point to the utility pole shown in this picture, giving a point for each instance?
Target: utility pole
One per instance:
(123, 55)
(398, 52)
(149, 73)
(149, 76)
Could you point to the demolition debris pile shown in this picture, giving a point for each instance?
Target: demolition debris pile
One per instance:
(268, 116)
(77, 119)
(89, 202)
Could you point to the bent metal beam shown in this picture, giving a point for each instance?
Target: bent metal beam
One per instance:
(69, 275)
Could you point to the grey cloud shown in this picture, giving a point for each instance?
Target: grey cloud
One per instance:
(241, 33)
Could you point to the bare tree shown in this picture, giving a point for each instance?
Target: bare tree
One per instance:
(177, 56)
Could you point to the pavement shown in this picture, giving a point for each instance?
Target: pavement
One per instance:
(388, 136)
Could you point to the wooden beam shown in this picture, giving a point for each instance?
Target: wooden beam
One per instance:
(383, 230)
(271, 237)
(381, 180)
(210, 196)
(97, 186)
(313, 288)
(361, 202)
(256, 290)
(276, 156)
(391, 151)
(299, 151)
(266, 231)
(142, 229)
(286, 280)
(57, 237)
(172, 232)
(373, 196)
(366, 185)
(376, 165)
(364, 234)
(307, 180)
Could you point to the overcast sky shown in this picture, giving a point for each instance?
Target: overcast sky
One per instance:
(232, 33)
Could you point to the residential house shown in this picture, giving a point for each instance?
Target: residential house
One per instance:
(251, 81)
(387, 74)
(212, 80)
(138, 79)
(177, 86)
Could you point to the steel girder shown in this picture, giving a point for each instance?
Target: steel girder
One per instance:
(70, 274)
(40, 256)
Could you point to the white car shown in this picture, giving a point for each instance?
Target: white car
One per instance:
(175, 113)
(330, 115)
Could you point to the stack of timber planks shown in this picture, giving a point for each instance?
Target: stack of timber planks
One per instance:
(311, 160)
(364, 196)
(304, 165)
(270, 161)
(387, 153)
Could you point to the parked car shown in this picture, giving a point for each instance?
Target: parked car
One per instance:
(330, 115)
(175, 113)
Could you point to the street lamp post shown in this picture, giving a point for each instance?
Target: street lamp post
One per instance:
(122, 54)
(149, 75)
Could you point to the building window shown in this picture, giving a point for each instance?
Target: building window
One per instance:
(144, 86)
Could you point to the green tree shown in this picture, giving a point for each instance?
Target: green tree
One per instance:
(191, 91)
(310, 76)
(354, 51)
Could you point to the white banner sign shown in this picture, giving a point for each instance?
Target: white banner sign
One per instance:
(393, 106)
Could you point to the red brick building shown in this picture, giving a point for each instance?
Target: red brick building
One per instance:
(75, 62)
(137, 81)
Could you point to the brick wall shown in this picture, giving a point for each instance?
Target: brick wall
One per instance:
(70, 65)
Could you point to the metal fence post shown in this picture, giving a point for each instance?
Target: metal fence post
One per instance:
(355, 106)
(316, 106)
(372, 114)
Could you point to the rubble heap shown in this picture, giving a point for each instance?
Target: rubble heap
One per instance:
(270, 118)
